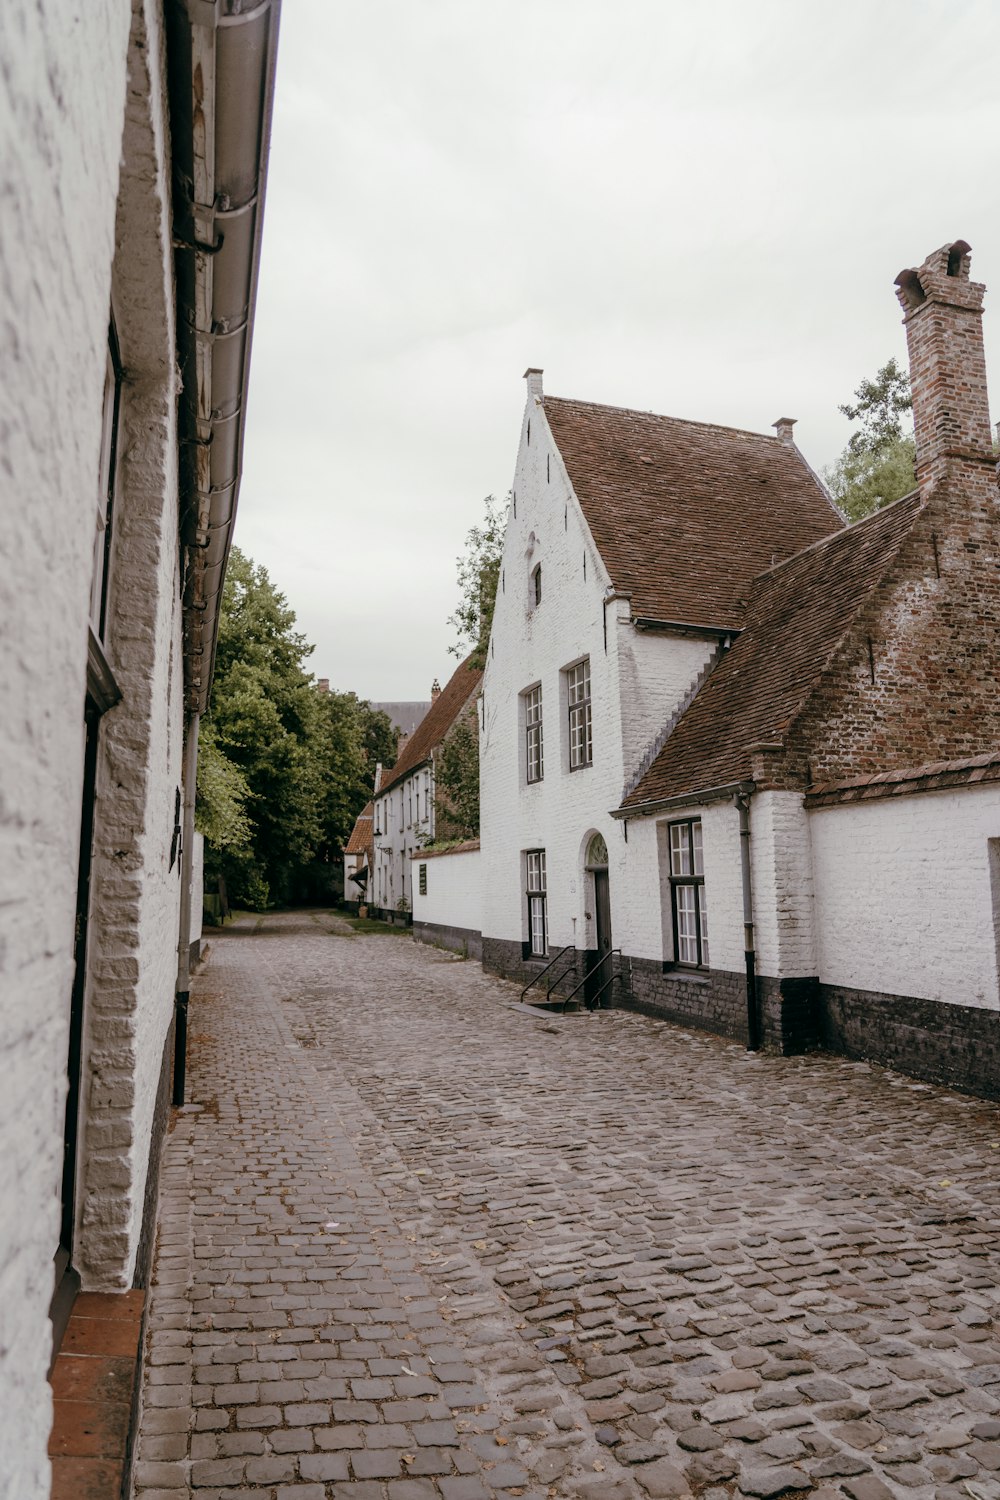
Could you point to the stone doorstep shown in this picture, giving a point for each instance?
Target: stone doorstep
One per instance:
(93, 1387)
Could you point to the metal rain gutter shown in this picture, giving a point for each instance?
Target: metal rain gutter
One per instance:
(221, 70)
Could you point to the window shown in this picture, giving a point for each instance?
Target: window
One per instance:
(422, 870)
(581, 739)
(536, 586)
(538, 919)
(687, 891)
(533, 734)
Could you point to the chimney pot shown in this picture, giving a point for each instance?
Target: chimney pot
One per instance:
(944, 335)
(783, 427)
(534, 379)
(435, 689)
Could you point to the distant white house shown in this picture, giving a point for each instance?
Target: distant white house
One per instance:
(408, 812)
(359, 858)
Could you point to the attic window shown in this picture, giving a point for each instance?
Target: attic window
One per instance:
(536, 585)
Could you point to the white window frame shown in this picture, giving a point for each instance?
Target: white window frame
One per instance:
(534, 743)
(579, 715)
(689, 909)
(536, 889)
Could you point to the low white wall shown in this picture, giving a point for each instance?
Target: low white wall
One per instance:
(454, 890)
(197, 888)
(904, 904)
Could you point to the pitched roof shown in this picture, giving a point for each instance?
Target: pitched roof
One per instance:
(436, 722)
(798, 614)
(361, 833)
(685, 514)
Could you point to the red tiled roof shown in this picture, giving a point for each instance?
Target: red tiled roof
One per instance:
(468, 846)
(933, 777)
(798, 614)
(435, 724)
(361, 833)
(685, 514)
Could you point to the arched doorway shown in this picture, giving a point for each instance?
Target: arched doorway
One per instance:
(597, 989)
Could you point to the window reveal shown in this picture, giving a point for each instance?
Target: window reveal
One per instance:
(581, 740)
(535, 759)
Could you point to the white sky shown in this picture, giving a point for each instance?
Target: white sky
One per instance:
(695, 209)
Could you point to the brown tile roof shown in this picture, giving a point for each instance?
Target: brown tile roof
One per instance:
(435, 724)
(934, 777)
(798, 614)
(361, 834)
(685, 514)
(468, 846)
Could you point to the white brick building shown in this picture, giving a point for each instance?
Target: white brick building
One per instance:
(130, 136)
(409, 812)
(755, 752)
(620, 587)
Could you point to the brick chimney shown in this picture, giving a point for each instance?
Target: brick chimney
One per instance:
(435, 690)
(322, 684)
(783, 427)
(534, 379)
(944, 336)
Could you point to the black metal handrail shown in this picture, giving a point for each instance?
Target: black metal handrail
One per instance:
(542, 972)
(592, 1003)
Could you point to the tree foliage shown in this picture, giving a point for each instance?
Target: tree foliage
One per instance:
(877, 465)
(456, 781)
(478, 571)
(285, 769)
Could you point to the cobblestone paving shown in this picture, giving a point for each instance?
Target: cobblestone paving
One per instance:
(417, 1243)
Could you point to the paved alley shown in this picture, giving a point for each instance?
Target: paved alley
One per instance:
(416, 1243)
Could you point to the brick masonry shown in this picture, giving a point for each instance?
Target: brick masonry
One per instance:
(463, 940)
(83, 174)
(957, 1045)
(61, 110)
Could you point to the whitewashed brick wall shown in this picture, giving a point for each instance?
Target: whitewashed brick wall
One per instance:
(647, 927)
(636, 681)
(72, 136)
(783, 900)
(135, 895)
(905, 904)
(454, 890)
(62, 95)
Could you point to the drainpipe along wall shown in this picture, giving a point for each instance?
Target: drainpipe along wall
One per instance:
(182, 991)
(741, 802)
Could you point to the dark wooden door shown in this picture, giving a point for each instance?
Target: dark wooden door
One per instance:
(603, 965)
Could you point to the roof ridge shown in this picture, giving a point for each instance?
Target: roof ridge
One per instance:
(635, 411)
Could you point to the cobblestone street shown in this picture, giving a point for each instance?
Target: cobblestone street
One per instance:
(417, 1243)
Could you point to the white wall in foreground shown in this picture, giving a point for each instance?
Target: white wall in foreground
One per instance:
(904, 899)
(454, 890)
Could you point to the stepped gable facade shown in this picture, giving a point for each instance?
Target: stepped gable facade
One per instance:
(629, 553)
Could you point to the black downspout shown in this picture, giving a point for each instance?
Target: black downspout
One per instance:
(742, 803)
(182, 993)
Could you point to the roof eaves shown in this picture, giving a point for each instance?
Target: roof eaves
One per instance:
(684, 799)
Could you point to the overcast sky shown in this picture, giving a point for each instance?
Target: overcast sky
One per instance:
(695, 209)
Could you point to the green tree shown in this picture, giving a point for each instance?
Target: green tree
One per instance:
(877, 465)
(478, 575)
(456, 781)
(286, 768)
